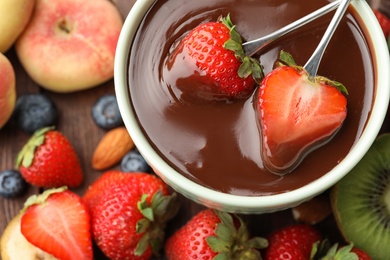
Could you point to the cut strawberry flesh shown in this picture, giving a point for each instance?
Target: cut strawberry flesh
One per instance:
(60, 226)
(296, 115)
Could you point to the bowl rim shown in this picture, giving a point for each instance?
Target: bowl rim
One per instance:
(253, 204)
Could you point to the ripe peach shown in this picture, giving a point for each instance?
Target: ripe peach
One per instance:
(7, 89)
(15, 15)
(69, 45)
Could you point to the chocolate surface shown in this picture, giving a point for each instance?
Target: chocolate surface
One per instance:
(218, 144)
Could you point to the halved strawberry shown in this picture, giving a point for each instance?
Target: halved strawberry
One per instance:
(57, 221)
(296, 114)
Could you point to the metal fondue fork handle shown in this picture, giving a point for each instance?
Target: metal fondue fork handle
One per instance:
(254, 46)
(314, 61)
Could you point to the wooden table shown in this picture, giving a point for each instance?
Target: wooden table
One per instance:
(76, 123)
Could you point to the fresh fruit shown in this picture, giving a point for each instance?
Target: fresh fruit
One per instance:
(15, 14)
(323, 250)
(129, 215)
(7, 89)
(14, 246)
(384, 22)
(97, 189)
(105, 112)
(360, 201)
(57, 221)
(69, 45)
(34, 111)
(296, 114)
(214, 235)
(48, 159)
(111, 148)
(361, 254)
(215, 49)
(12, 184)
(292, 242)
(133, 161)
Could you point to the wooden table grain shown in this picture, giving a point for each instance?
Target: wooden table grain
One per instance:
(76, 123)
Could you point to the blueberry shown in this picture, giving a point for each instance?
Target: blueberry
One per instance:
(134, 162)
(12, 184)
(105, 112)
(34, 111)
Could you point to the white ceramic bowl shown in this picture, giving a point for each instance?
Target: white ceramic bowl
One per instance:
(243, 204)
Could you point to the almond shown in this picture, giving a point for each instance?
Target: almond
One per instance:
(111, 148)
(314, 210)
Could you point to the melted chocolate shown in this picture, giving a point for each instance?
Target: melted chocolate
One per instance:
(218, 144)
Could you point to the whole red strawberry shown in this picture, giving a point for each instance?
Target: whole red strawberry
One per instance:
(58, 222)
(220, 69)
(130, 214)
(384, 22)
(49, 160)
(212, 234)
(296, 114)
(292, 242)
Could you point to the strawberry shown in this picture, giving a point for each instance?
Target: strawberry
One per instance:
(96, 190)
(57, 221)
(322, 250)
(213, 235)
(292, 242)
(222, 69)
(384, 22)
(130, 214)
(296, 114)
(362, 255)
(49, 160)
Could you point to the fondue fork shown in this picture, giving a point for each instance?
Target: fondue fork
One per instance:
(255, 46)
(314, 61)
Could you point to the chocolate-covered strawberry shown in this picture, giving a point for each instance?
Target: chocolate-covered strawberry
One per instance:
(212, 55)
(296, 114)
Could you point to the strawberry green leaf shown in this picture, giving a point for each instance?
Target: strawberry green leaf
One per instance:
(26, 156)
(144, 208)
(222, 256)
(231, 241)
(324, 251)
(156, 213)
(249, 66)
(258, 243)
(142, 225)
(142, 245)
(41, 198)
(287, 59)
(333, 83)
(218, 245)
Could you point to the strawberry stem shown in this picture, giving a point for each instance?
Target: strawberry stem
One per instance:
(232, 242)
(156, 214)
(286, 59)
(41, 198)
(26, 156)
(249, 66)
